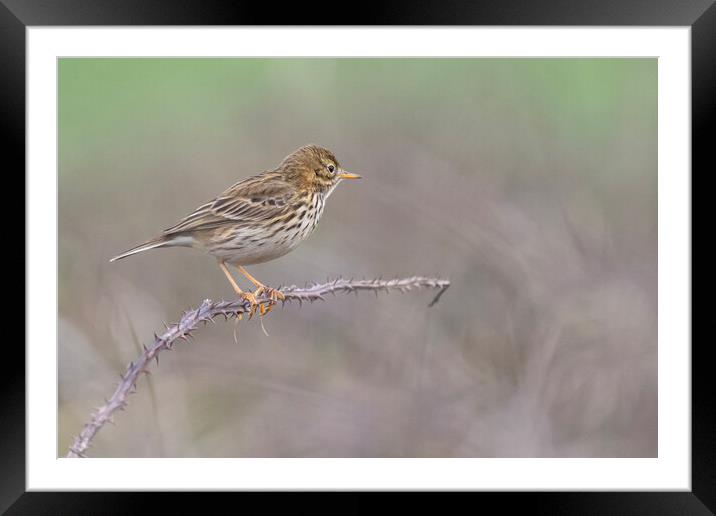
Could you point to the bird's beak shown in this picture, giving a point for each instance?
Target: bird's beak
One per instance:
(347, 175)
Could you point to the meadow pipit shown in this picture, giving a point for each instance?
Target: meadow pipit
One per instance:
(259, 218)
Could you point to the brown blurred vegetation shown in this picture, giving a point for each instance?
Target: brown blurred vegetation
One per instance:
(531, 184)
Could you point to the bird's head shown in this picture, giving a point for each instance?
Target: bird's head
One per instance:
(314, 168)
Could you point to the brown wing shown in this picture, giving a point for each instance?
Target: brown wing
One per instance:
(255, 199)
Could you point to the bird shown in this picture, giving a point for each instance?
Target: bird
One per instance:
(259, 218)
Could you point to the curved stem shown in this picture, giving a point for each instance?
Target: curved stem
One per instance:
(206, 312)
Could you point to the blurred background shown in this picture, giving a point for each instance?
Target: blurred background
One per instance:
(530, 183)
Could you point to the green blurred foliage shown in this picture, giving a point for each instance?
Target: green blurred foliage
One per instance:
(531, 183)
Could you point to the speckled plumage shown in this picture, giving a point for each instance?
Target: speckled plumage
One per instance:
(256, 220)
(262, 217)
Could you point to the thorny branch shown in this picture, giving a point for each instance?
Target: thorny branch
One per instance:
(205, 313)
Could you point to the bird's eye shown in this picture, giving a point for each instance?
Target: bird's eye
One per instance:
(331, 168)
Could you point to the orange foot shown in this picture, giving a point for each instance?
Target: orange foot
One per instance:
(251, 298)
(273, 295)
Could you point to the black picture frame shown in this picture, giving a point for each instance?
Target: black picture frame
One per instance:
(17, 15)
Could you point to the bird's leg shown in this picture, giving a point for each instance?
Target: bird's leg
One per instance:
(248, 296)
(260, 287)
(273, 294)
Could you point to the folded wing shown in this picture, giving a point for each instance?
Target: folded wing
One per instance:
(254, 200)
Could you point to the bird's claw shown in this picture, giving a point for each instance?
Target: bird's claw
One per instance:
(251, 298)
(273, 295)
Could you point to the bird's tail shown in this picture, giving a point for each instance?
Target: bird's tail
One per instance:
(161, 241)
